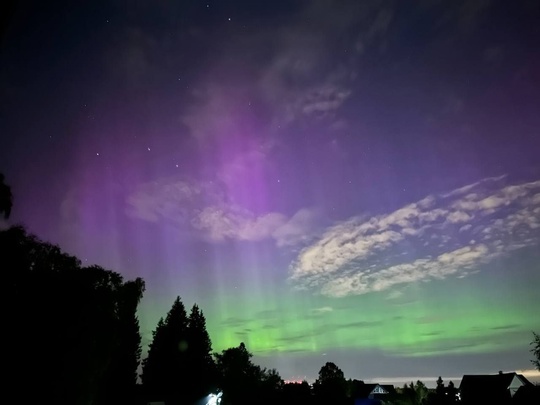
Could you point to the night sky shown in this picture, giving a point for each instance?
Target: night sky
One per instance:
(346, 181)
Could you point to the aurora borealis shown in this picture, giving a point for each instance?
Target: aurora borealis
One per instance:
(356, 182)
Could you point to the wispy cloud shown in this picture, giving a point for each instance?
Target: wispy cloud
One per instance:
(437, 237)
(323, 310)
(298, 230)
(206, 208)
(223, 222)
(292, 81)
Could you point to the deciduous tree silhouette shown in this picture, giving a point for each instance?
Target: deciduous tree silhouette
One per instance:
(67, 321)
(331, 384)
(241, 380)
(414, 394)
(297, 393)
(238, 375)
(122, 380)
(271, 386)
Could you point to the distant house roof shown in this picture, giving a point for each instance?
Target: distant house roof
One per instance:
(492, 385)
(367, 390)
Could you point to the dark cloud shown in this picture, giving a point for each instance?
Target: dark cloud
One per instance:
(234, 322)
(506, 327)
(360, 324)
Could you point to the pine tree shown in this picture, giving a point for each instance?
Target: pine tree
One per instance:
(165, 372)
(202, 369)
(153, 370)
(440, 387)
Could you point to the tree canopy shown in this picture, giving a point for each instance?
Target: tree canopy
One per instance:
(331, 383)
(241, 381)
(78, 323)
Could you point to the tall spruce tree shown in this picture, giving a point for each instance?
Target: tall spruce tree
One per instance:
(165, 371)
(153, 371)
(202, 376)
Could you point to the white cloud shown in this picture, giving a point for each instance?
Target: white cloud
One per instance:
(226, 222)
(394, 294)
(206, 207)
(458, 216)
(297, 230)
(472, 225)
(323, 310)
(168, 198)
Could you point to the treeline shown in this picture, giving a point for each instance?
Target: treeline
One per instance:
(73, 337)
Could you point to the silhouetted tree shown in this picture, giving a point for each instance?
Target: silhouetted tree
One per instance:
(6, 198)
(536, 350)
(440, 386)
(439, 396)
(414, 394)
(239, 379)
(122, 380)
(421, 392)
(202, 376)
(331, 384)
(153, 371)
(271, 386)
(64, 319)
(355, 388)
(165, 371)
(297, 393)
(451, 393)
